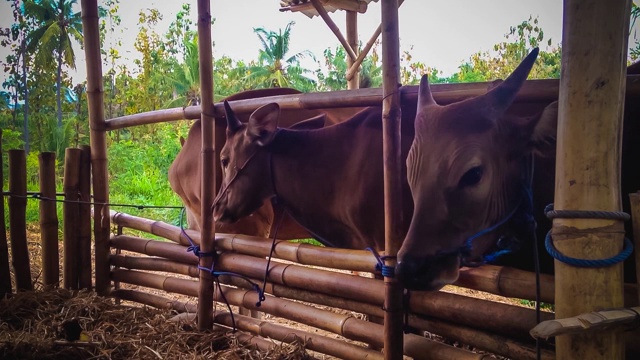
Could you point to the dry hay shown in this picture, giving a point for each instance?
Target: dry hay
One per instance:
(40, 325)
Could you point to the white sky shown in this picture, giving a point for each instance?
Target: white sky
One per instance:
(443, 34)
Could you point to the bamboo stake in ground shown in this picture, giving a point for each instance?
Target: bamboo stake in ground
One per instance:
(95, 99)
(205, 292)
(392, 176)
(84, 228)
(49, 220)
(590, 114)
(5, 272)
(17, 219)
(634, 199)
(70, 218)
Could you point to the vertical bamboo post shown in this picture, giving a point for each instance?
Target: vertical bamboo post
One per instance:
(392, 175)
(84, 217)
(634, 199)
(352, 39)
(95, 99)
(205, 291)
(17, 219)
(591, 103)
(49, 220)
(5, 271)
(70, 216)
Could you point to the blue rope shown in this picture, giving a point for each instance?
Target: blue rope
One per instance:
(586, 214)
(387, 271)
(588, 263)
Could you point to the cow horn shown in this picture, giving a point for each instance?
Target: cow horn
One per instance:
(501, 97)
(425, 98)
(233, 124)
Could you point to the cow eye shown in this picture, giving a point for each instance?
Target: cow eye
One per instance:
(224, 162)
(471, 177)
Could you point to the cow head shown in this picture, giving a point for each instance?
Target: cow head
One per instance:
(246, 162)
(465, 174)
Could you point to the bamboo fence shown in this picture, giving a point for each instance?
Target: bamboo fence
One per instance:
(5, 272)
(17, 219)
(595, 35)
(84, 218)
(49, 220)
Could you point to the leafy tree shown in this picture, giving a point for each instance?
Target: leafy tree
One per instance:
(186, 75)
(370, 73)
(274, 68)
(57, 24)
(634, 52)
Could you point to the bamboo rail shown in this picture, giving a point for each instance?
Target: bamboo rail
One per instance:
(317, 342)
(347, 326)
(207, 231)
(84, 219)
(95, 99)
(49, 220)
(595, 321)
(70, 218)
(5, 270)
(494, 317)
(590, 116)
(17, 219)
(532, 91)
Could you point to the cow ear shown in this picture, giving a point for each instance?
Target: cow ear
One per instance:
(233, 124)
(500, 97)
(263, 124)
(310, 124)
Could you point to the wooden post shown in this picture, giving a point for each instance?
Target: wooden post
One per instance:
(84, 217)
(70, 218)
(17, 219)
(352, 39)
(634, 200)
(95, 99)
(205, 291)
(590, 115)
(392, 175)
(5, 271)
(49, 220)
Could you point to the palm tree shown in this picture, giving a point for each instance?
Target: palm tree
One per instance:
(186, 76)
(273, 70)
(56, 25)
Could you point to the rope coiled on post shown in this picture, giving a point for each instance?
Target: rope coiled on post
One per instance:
(586, 214)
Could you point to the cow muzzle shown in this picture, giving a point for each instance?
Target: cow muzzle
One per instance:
(428, 274)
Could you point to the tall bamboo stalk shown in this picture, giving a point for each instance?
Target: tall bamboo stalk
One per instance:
(634, 200)
(70, 218)
(95, 98)
(49, 220)
(17, 219)
(205, 293)
(84, 218)
(592, 88)
(352, 39)
(392, 175)
(5, 272)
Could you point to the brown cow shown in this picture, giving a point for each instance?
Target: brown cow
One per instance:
(331, 179)
(185, 171)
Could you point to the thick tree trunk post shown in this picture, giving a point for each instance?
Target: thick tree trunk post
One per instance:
(95, 97)
(352, 39)
(5, 272)
(49, 220)
(70, 218)
(17, 219)
(205, 291)
(392, 174)
(84, 228)
(591, 104)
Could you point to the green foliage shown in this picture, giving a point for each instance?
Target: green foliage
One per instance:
(634, 38)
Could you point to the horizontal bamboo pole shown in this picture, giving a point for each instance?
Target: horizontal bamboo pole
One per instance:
(495, 317)
(532, 91)
(588, 322)
(317, 342)
(347, 326)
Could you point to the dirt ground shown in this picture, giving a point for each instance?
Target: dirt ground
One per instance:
(35, 254)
